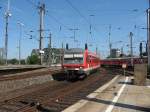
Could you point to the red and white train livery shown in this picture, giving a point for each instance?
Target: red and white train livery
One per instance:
(79, 63)
(125, 60)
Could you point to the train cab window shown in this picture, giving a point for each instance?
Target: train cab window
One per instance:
(73, 59)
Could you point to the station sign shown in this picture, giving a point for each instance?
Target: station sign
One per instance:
(41, 52)
(124, 66)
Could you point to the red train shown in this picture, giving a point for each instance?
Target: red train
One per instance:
(79, 63)
(126, 60)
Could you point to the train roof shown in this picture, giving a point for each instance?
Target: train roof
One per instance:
(78, 51)
(74, 50)
(124, 58)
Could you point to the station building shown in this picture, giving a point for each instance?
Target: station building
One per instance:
(53, 54)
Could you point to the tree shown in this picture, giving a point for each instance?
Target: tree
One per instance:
(13, 61)
(1, 62)
(23, 62)
(33, 59)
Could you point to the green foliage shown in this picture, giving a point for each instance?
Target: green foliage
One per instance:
(108, 57)
(13, 61)
(23, 62)
(33, 59)
(111, 57)
(1, 62)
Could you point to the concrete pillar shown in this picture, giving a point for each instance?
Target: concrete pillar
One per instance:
(140, 74)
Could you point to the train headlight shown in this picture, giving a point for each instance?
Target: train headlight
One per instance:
(81, 67)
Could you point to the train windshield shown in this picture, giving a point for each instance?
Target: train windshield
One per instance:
(73, 58)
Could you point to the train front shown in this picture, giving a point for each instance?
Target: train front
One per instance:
(73, 63)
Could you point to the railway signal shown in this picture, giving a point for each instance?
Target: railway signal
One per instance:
(124, 66)
(20, 25)
(141, 50)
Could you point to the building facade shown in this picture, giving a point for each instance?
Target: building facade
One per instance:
(53, 55)
(115, 53)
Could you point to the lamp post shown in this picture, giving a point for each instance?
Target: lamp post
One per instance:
(20, 25)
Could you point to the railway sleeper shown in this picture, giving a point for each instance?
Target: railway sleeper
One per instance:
(71, 100)
(46, 108)
(12, 106)
(6, 109)
(15, 104)
(28, 102)
(80, 95)
(58, 105)
(51, 108)
(64, 103)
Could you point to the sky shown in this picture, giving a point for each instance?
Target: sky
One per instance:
(124, 16)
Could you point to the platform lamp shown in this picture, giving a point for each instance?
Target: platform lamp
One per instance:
(20, 37)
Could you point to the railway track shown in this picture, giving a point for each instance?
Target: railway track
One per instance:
(28, 74)
(57, 97)
(7, 71)
(128, 71)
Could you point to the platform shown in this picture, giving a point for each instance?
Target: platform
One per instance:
(9, 67)
(119, 95)
(17, 81)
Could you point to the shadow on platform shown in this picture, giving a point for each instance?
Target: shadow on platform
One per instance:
(128, 106)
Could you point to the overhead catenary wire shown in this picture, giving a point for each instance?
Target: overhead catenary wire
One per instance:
(33, 4)
(61, 25)
(79, 13)
(50, 16)
(58, 22)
